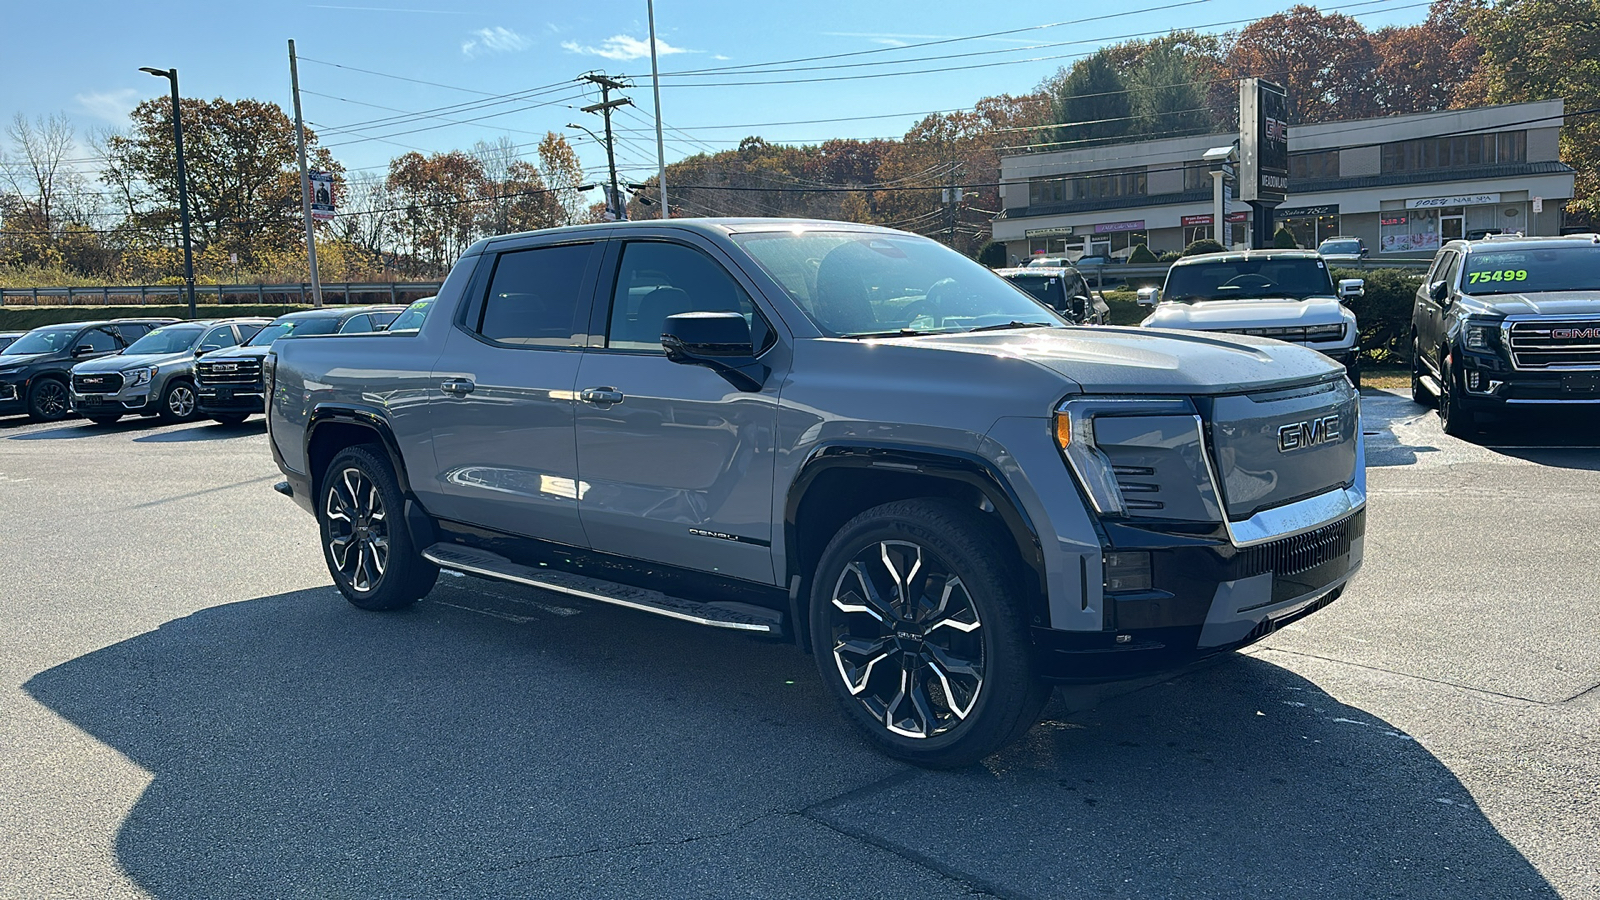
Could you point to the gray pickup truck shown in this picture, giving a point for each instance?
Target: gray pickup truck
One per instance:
(842, 435)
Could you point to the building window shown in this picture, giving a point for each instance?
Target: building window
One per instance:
(1310, 231)
(1454, 152)
(1197, 178)
(1192, 233)
(1105, 185)
(1314, 164)
(1043, 191)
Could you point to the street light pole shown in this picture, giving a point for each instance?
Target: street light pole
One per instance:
(183, 180)
(655, 83)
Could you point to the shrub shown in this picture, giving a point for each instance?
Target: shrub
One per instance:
(1283, 239)
(1204, 245)
(1141, 256)
(993, 255)
(1170, 256)
(1384, 312)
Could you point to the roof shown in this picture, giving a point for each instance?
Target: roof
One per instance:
(716, 227)
(1036, 271)
(1241, 255)
(335, 312)
(1518, 241)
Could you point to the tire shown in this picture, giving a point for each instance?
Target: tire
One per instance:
(364, 538)
(178, 402)
(1419, 394)
(1353, 372)
(859, 631)
(47, 400)
(1453, 418)
(105, 420)
(229, 418)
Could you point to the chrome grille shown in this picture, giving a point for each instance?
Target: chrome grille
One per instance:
(97, 383)
(1303, 552)
(1555, 344)
(228, 371)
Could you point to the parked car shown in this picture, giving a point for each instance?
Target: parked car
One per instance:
(1047, 262)
(850, 436)
(1343, 249)
(35, 369)
(1287, 295)
(155, 375)
(1063, 289)
(7, 337)
(411, 319)
(1508, 322)
(228, 384)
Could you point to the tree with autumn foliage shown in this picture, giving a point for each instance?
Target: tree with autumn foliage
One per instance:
(1326, 62)
(437, 195)
(1429, 66)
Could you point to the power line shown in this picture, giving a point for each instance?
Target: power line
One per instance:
(396, 77)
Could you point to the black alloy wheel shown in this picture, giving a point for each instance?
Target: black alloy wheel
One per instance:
(1456, 421)
(1419, 394)
(364, 541)
(918, 633)
(179, 403)
(47, 400)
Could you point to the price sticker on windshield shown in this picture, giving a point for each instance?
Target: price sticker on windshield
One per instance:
(1498, 275)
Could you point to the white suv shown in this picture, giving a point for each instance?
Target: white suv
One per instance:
(1282, 294)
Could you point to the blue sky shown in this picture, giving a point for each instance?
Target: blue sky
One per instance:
(83, 59)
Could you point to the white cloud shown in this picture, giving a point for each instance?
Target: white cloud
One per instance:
(622, 47)
(112, 106)
(498, 39)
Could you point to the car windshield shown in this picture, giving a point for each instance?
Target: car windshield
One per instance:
(1233, 279)
(411, 319)
(41, 340)
(172, 339)
(1342, 247)
(1044, 288)
(1531, 271)
(855, 284)
(294, 328)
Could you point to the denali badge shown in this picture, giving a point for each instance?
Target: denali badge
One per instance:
(1575, 334)
(1299, 435)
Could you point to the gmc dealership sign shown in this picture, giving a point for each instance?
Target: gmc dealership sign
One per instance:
(1263, 141)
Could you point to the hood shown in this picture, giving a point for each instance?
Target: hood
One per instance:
(119, 361)
(22, 359)
(1553, 303)
(238, 353)
(1108, 359)
(1264, 313)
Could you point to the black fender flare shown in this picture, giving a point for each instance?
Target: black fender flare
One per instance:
(950, 465)
(362, 417)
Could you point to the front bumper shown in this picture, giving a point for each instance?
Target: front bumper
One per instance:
(1208, 595)
(231, 399)
(11, 397)
(1488, 382)
(125, 401)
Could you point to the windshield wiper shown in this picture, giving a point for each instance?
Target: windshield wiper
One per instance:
(1012, 324)
(899, 332)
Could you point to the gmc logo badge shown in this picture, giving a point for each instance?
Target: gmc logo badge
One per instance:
(1299, 435)
(1574, 334)
(225, 367)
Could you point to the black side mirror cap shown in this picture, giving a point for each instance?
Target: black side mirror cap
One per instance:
(1439, 290)
(82, 350)
(720, 341)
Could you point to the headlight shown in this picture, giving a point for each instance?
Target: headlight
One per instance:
(136, 377)
(1075, 436)
(1325, 332)
(1478, 336)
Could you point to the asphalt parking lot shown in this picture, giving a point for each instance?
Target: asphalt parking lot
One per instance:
(188, 709)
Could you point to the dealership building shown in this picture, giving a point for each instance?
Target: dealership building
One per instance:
(1403, 184)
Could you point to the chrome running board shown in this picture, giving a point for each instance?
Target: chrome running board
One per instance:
(737, 616)
(1430, 384)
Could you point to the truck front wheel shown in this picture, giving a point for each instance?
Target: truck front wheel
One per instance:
(919, 634)
(364, 538)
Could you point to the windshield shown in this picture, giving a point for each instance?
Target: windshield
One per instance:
(1234, 279)
(42, 340)
(1531, 271)
(294, 328)
(854, 284)
(411, 319)
(1046, 289)
(172, 339)
(1342, 247)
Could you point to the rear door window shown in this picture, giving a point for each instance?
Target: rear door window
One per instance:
(534, 297)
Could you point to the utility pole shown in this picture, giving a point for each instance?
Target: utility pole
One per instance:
(655, 82)
(618, 209)
(305, 181)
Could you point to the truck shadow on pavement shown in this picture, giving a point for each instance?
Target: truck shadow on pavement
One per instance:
(496, 743)
(204, 431)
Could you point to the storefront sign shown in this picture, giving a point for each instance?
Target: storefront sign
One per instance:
(1196, 220)
(1392, 220)
(1263, 141)
(1463, 200)
(1113, 227)
(1306, 212)
(1061, 231)
(1242, 215)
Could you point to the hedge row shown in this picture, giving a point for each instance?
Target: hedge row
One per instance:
(24, 318)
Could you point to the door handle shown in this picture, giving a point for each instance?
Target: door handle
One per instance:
(600, 396)
(457, 386)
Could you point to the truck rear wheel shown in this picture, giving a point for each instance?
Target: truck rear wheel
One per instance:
(364, 538)
(919, 634)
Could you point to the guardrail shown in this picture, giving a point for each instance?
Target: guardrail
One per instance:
(140, 294)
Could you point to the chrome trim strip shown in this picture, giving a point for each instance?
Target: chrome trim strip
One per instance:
(1551, 402)
(1300, 516)
(587, 595)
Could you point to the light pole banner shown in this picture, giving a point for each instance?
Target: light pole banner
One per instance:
(321, 195)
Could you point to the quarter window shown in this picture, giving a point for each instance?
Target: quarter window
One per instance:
(356, 324)
(534, 296)
(656, 280)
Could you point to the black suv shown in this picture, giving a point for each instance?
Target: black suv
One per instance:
(1508, 322)
(229, 383)
(35, 369)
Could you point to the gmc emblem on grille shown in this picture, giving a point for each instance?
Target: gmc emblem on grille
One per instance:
(1299, 435)
(225, 367)
(1575, 334)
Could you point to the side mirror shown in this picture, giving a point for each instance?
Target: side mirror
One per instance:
(82, 350)
(1439, 291)
(1149, 296)
(720, 341)
(1351, 289)
(1364, 252)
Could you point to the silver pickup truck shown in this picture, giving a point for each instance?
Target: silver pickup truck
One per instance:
(846, 436)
